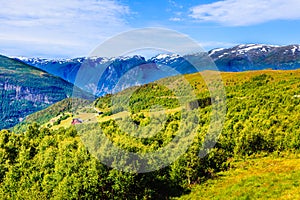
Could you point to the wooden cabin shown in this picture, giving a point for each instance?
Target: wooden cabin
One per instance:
(76, 121)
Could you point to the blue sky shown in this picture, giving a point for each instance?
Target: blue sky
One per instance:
(73, 28)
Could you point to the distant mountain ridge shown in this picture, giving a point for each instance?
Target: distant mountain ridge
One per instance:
(251, 54)
(25, 89)
(239, 58)
(256, 57)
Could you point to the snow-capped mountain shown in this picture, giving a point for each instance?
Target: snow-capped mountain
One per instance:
(106, 75)
(96, 74)
(123, 72)
(256, 56)
(64, 68)
(242, 50)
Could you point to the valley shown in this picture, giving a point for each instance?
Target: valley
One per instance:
(62, 146)
(149, 100)
(257, 149)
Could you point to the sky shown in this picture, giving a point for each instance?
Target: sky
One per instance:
(73, 28)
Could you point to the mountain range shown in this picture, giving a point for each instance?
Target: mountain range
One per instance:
(256, 57)
(31, 84)
(136, 70)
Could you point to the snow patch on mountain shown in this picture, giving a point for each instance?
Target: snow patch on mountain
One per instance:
(215, 50)
(295, 48)
(242, 50)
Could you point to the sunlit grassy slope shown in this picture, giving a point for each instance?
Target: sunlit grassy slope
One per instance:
(260, 178)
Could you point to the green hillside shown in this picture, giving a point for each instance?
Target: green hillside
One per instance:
(260, 178)
(256, 156)
(25, 89)
(42, 117)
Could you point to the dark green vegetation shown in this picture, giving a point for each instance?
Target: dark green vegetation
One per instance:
(263, 119)
(25, 89)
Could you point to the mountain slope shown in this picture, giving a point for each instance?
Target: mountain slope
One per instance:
(238, 58)
(256, 57)
(136, 70)
(262, 119)
(118, 73)
(68, 70)
(25, 89)
(259, 178)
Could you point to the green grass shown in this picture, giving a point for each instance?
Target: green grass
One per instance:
(94, 117)
(260, 178)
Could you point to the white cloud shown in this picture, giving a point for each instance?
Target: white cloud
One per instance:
(246, 12)
(68, 27)
(175, 4)
(175, 19)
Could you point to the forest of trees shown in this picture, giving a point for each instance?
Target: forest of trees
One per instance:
(262, 117)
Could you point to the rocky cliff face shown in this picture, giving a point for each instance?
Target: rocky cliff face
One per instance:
(24, 90)
(17, 92)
